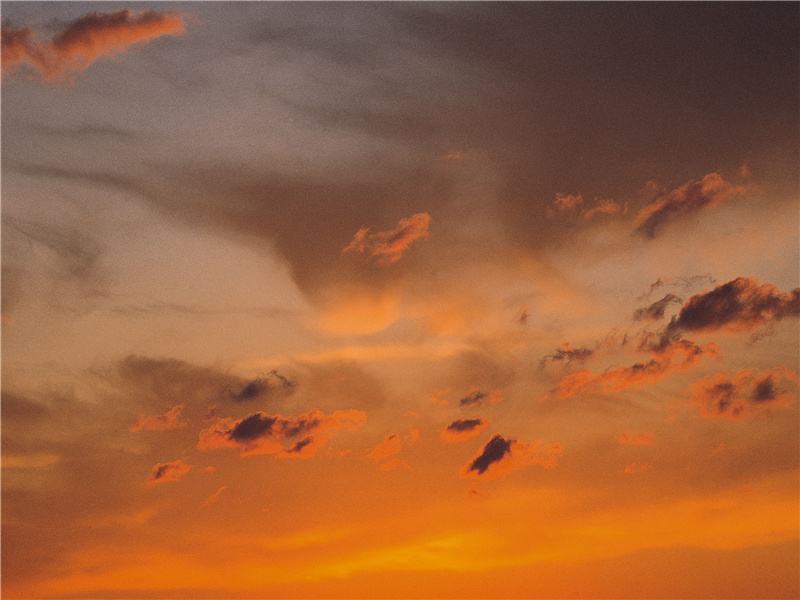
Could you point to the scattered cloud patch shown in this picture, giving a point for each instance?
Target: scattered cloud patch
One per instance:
(478, 398)
(390, 446)
(567, 354)
(212, 499)
(656, 310)
(272, 384)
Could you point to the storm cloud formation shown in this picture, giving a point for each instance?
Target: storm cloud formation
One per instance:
(83, 41)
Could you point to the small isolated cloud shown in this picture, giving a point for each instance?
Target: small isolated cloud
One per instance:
(82, 42)
(169, 420)
(643, 438)
(213, 497)
(500, 456)
(621, 378)
(463, 429)
(273, 384)
(260, 433)
(171, 471)
(637, 467)
(691, 197)
(738, 305)
(388, 246)
(656, 310)
(390, 446)
(478, 398)
(744, 394)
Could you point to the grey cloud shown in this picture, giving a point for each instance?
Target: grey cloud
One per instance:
(656, 310)
(494, 451)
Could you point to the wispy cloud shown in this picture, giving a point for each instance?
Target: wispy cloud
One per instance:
(656, 310)
(477, 398)
(390, 446)
(388, 246)
(499, 456)
(84, 41)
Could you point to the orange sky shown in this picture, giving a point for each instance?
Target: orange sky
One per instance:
(400, 300)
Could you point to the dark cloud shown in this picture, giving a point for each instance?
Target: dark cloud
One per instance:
(463, 429)
(274, 385)
(686, 283)
(494, 451)
(17, 408)
(477, 398)
(260, 433)
(657, 309)
(738, 305)
(690, 197)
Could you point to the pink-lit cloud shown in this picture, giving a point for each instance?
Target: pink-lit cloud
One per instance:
(171, 471)
(500, 456)
(84, 41)
(744, 394)
(388, 246)
(169, 420)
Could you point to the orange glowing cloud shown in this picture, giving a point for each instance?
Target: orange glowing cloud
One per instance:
(213, 497)
(171, 471)
(388, 246)
(390, 446)
(744, 394)
(260, 433)
(463, 429)
(691, 197)
(621, 378)
(82, 42)
(168, 420)
(500, 456)
(573, 204)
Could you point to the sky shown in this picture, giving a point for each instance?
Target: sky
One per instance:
(400, 300)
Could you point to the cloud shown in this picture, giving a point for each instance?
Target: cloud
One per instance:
(689, 198)
(500, 456)
(273, 384)
(171, 471)
(573, 203)
(738, 305)
(567, 353)
(685, 282)
(169, 420)
(463, 429)
(643, 438)
(85, 40)
(478, 398)
(388, 246)
(621, 378)
(390, 446)
(260, 433)
(304, 448)
(656, 310)
(743, 394)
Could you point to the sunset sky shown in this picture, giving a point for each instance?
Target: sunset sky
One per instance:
(400, 300)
